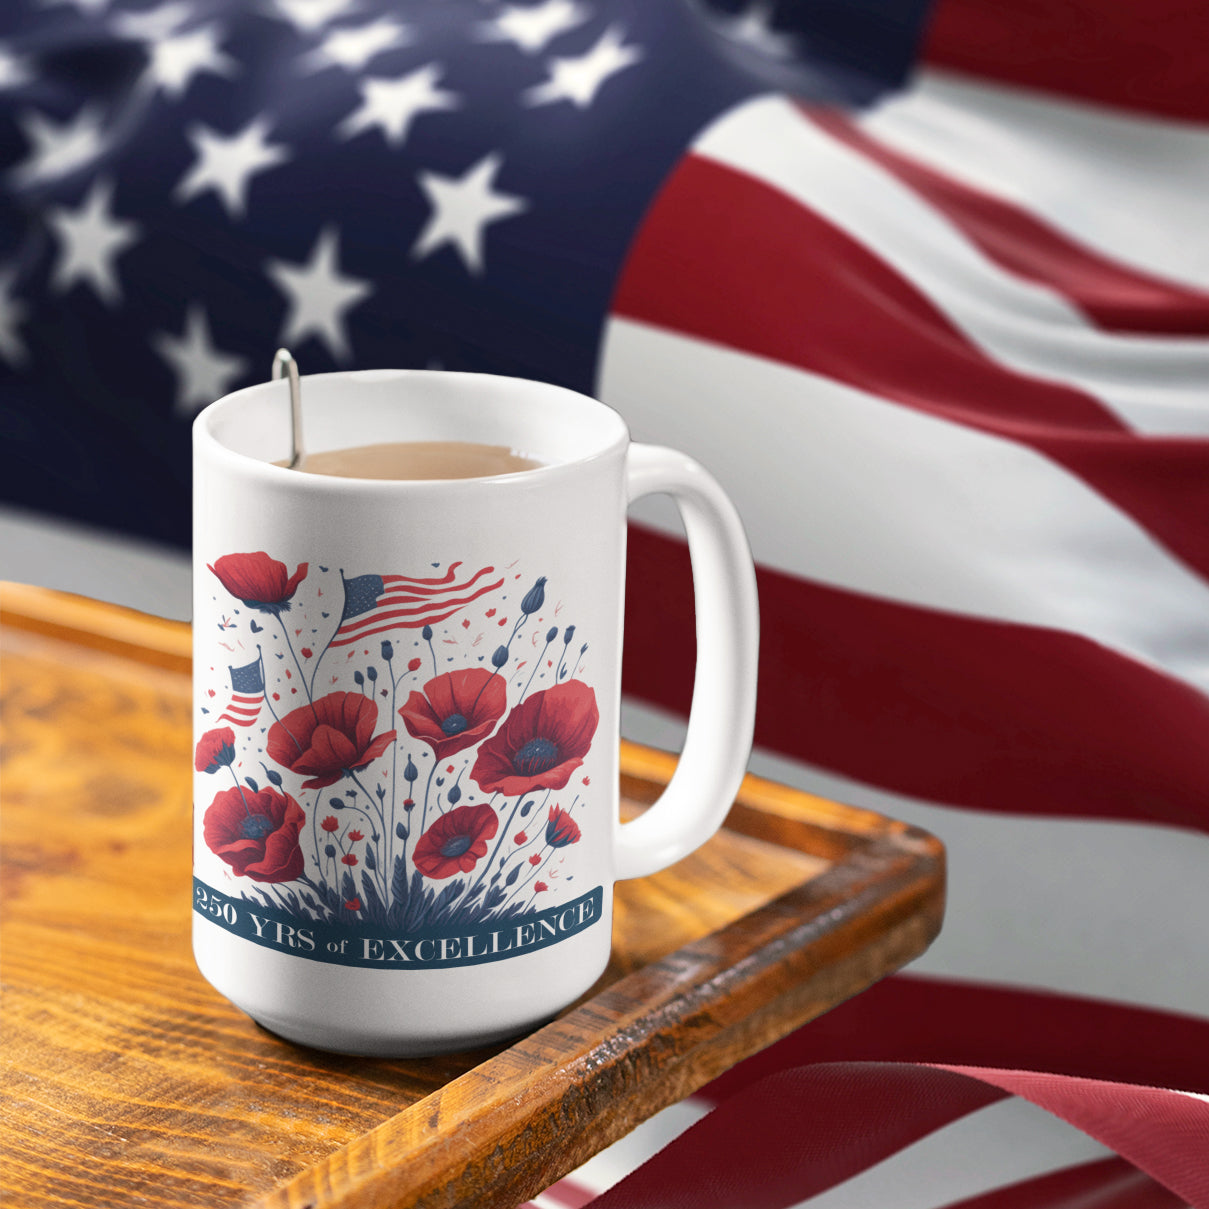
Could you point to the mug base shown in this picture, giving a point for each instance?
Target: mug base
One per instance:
(311, 1037)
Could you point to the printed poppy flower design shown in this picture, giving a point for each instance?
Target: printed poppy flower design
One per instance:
(259, 581)
(542, 742)
(215, 750)
(456, 842)
(325, 740)
(561, 828)
(256, 833)
(455, 710)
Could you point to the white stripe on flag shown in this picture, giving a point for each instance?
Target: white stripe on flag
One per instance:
(851, 490)
(1131, 187)
(1154, 384)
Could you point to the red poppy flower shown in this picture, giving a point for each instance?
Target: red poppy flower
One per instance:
(456, 841)
(355, 836)
(348, 859)
(328, 739)
(535, 859)
(353, 904)
(330, 823)
(520, 838)
(561, 828)
(259, 581)
(542, 742)
(413, 665)
(455, 710)
(215, 750)
(538, 887)
(256, 833)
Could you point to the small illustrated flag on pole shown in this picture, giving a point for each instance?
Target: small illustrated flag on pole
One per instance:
(374, 604)
(247, 693)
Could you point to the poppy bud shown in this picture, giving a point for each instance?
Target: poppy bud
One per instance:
(372, 673)
(388, 650)
(401, 831)
(568, 634)
(273, 775)
(552, 633)
(409, 804)
(255, 787)
(411, 771)
(358, 678)
(336, 803)
(500, 657)
(535, 597)
(426, 633)
(330, 850)
(454, 795)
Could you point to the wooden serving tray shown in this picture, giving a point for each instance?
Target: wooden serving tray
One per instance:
(128, 1080)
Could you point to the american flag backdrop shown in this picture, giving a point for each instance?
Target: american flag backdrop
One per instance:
(926, 286)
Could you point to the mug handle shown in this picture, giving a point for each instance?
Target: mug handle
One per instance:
(722, 716)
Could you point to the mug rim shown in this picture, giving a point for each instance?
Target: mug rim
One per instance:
(614, 437)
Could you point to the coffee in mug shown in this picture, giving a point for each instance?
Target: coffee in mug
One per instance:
(417, 460)
(406, 705)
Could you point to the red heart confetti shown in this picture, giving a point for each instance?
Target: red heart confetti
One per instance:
(503, 621)
(307, 652)
(465, 623)
(490, 612)
(211, 692)
(276, 696)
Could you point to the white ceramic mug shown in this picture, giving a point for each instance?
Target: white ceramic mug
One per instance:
(406, 708)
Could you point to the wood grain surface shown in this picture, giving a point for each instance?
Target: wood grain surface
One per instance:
(128, 1080)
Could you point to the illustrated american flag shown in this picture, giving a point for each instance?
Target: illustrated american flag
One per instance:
(247, 694)
(376, 604)
(924, 285)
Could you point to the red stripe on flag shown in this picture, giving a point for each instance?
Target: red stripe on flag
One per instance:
(1150, 56)
(785, 284)
(1159, 1131)
(1111, 295)
(1102, 1184)
(803, 1130)
(912, 1018)
(937, 706)
(243, 711)
(797, 1133)
(445, 580)
(382, 626)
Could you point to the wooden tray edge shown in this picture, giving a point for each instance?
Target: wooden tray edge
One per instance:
(108, 627)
